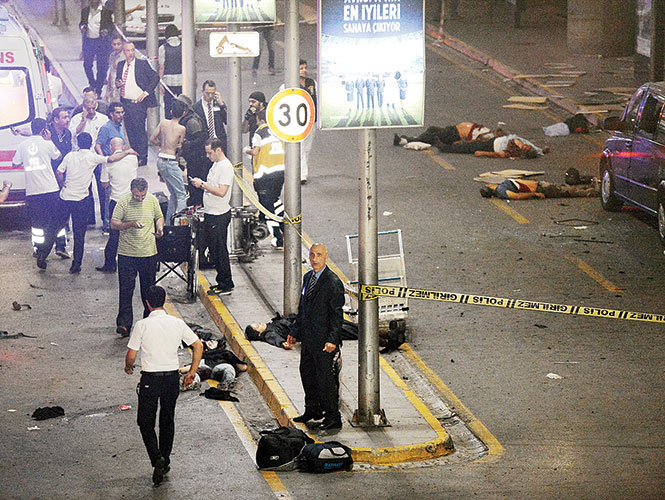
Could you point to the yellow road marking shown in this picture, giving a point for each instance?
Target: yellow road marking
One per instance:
(502, 205)
(248, 442)
(495, 450)
(239, 426)
(595, 275)
(438, 159)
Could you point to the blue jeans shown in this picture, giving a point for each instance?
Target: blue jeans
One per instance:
(172, 177)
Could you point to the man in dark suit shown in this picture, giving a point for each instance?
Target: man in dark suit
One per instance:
(193, 150)
(319, 328)
(96, 24)
(136, 81)
(212, 110)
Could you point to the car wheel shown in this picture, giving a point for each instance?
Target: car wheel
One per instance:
(608, 199)
(661, 221)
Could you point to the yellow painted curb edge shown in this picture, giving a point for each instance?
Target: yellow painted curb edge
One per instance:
(281, 406)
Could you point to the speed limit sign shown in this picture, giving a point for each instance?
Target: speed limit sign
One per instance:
(290, 114)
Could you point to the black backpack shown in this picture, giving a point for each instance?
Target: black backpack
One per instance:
(325, 457)
(279, 447)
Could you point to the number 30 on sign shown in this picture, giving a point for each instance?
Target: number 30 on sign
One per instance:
(290, 114)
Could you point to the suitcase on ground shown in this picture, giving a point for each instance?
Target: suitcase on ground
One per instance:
(279, 448)
(325, 457)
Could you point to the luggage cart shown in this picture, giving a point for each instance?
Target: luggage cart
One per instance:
(393, 311)
(179, 245)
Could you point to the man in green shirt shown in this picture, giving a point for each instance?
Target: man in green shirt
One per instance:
(139, 219)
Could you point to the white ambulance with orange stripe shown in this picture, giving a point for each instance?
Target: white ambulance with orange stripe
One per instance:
(24, 96)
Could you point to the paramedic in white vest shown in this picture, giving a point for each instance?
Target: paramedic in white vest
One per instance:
(268, 162)
(41, 187)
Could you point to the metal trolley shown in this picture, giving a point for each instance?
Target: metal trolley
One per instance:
(178, 246)
(392, 271)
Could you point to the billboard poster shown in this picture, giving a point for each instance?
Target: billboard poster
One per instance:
(371, 63)
(234, 11)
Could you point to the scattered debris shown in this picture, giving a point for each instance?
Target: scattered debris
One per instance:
(12, 411)
(53, 343)
(5, 335)
(35, 428)
(417, 146)
(386, 213)
(525, 107)
(124, 407)
(219, 395)
(558, 65)
(539, 325)
(580, 227)
(497, 177)
(17, 307)
(575, 222)
(554, 376)
(48, 412)
(566, 362)
(528, 99)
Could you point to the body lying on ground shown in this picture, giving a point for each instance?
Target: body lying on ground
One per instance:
(508, 146)
(465, 131)
(521, 189)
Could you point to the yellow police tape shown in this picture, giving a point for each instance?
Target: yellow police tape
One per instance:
(254, 200)
(371, 292)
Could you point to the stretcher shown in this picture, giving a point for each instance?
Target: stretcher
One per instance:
(392, 271)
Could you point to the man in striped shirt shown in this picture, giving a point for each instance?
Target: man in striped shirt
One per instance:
(139, 219)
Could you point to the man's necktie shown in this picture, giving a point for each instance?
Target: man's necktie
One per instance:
(211, 122)
(310, 287)
(125, 73)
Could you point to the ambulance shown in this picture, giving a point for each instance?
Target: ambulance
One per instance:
(24, 96)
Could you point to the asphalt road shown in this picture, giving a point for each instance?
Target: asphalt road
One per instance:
(596, 433)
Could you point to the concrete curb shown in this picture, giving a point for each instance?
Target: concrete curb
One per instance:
(281, 406)
(507, 72)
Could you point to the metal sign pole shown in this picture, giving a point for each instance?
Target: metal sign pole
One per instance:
(152, 46)
(235, 143)
(292, 245)
(369, 411)
(188, 55)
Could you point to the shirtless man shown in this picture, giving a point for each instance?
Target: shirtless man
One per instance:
(169, 135)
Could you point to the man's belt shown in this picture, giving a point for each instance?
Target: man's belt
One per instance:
(133, 101)
(160, 374)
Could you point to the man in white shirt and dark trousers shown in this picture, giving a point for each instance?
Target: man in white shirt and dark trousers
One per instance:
(158, 338)
(41, 188)
(77, 170)
(217, 212)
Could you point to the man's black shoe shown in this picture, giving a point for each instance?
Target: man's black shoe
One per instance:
(329, 424)
(160, 470)
(397, 140)
(306, 417)
(75, 269)
(41, 261)
(104, 269)
(122, 330)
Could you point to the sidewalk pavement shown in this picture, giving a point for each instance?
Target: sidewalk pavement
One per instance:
(482, 32)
